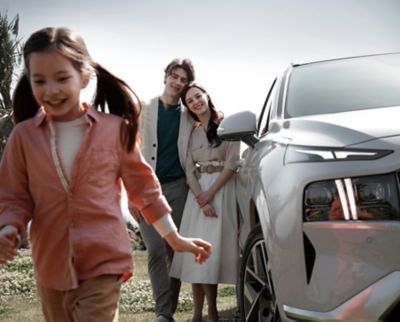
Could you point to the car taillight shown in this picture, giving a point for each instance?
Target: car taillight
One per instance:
(360, 198)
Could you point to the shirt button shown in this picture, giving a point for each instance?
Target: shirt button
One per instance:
(154, 145)
(153, 158)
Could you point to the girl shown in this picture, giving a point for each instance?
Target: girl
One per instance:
(62, 169)
(210, 209)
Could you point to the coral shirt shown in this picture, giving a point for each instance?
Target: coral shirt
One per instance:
(77, 230)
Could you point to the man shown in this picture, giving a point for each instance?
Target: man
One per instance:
(166, 129)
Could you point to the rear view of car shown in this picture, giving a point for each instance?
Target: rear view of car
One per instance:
(319, 194)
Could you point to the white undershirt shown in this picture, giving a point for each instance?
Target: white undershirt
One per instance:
(69, 138)
(165, 225)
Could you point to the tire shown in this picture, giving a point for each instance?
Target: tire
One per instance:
(256, 292)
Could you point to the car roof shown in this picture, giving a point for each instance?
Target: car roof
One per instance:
(342, 58)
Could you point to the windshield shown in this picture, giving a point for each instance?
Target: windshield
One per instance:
(344, 85)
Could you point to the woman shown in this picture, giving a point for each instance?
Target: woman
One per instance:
(210, 209)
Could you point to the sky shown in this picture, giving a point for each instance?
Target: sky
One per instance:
(237, 47)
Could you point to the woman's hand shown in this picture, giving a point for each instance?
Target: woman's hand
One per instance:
(198, 247)
(209, 211)
(9, 242)
(204, 198)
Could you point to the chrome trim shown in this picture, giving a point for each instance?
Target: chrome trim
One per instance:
(324, 154)
(351, 197)
(342, 197)
(285, 92)
(368, 305)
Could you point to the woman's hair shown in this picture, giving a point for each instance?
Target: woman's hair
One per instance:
(215, 118)
(111, 92)
(185, 64)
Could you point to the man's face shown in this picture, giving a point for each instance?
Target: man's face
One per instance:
(176, 82)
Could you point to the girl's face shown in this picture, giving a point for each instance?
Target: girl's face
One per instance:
(197, 101)
(57, 84)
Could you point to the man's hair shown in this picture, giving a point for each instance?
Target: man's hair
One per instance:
(185, 64)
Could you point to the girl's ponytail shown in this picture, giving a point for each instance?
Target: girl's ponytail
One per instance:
(23, 102)
(112, 92)
(120, 99)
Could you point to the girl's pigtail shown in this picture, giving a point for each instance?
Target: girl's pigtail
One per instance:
(23, 103)
(120, 99)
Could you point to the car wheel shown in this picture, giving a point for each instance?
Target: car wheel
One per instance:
(256, 293)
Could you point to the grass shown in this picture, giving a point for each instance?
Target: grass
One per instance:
(19, 302)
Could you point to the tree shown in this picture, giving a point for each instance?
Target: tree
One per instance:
(10, 57)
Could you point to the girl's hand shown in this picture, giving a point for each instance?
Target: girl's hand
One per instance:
(9, 241)
(198, 247)
(209, 211)
(135, 212)
(204, 198)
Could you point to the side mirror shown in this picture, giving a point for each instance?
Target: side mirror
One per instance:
(240, 126)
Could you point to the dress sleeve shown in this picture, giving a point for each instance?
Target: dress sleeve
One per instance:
(232, 155)
(190, 168)
(16, 205)
(142, 186)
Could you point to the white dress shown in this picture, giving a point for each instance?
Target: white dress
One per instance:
(221, 231)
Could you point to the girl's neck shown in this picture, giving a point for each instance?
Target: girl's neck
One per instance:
(169, 100)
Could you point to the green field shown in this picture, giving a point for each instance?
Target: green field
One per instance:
(19, 303)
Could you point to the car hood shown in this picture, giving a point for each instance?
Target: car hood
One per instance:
(342, 129)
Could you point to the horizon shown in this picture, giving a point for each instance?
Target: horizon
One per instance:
(237, 47)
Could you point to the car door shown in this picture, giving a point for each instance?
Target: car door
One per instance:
(250, 160)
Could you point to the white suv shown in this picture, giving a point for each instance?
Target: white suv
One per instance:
(318, 193)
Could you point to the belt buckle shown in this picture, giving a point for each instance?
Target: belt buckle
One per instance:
(210, 169)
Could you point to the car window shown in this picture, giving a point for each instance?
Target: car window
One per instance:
(345, 85)
(266, 111)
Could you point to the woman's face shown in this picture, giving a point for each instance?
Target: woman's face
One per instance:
(57, 84)
(197, 101)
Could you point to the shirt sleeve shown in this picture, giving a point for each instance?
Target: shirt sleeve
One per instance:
(16, 205)
(190, 167)
(142, 186)
(232, 155)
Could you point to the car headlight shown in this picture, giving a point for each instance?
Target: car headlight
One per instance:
(360, 198)
(297, 153)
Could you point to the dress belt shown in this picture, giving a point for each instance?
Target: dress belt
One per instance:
(209, 168)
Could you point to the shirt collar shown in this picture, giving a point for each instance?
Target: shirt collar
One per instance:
(92, 115)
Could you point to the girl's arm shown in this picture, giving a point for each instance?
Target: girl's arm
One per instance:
(9, 242)
(166, 228)
(142, 186)
(144, 192)
(199, 248)
(16, 204)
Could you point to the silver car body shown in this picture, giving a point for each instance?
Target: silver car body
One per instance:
(327, 130)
